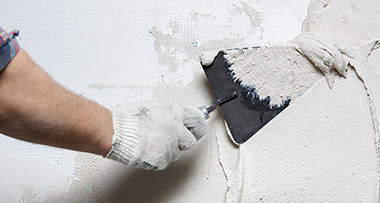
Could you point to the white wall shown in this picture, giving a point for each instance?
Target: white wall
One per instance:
(121, 51)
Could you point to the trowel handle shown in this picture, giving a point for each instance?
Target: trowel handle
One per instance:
(206, 111)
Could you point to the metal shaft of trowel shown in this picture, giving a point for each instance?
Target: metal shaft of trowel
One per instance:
(207, 110)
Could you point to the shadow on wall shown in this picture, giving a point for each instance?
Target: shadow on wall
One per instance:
(161, 186)
(150, 186)
(103, 180)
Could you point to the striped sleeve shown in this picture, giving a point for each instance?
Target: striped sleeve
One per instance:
(9, 47)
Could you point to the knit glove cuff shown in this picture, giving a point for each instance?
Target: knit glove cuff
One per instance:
(126, 135)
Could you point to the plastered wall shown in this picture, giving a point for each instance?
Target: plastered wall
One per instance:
(121, 51)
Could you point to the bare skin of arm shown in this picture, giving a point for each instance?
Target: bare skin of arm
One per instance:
(34, 108)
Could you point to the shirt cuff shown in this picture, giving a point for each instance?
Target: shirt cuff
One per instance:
(9, 47)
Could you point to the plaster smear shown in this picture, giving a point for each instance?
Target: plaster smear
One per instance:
(323, 147)
(278, 72)
(231, 25)
(184, 39)
(285, 71)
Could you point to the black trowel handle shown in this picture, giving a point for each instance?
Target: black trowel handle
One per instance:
(206, 111)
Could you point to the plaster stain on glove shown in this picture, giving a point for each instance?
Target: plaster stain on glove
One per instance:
(194, 121)
(151, 135)
(196, 126)
(144, 113)
(146, 166)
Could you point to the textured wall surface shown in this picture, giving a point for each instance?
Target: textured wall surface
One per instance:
(124, 51)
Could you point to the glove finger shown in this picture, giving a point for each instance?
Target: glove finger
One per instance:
(195, 122)
(170, 155)
(186, 139)
(176, 154)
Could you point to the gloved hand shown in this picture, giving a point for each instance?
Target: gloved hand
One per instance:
(152, 135)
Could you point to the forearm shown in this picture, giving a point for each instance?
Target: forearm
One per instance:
(147, 135)
(34, 108)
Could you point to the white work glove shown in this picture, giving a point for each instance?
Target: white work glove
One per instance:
(151, 135)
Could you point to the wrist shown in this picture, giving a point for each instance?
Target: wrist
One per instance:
(105, 133)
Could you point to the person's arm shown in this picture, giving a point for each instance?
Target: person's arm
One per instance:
(35, 108)
(146, 135)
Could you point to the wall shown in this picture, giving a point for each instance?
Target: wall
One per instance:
(125, 51)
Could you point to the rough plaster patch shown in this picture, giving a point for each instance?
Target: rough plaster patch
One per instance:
(176, 46)
(255, 16)
(81, 189)
(29, 193)
(30, 177)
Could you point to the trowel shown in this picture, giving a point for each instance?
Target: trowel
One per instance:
(244, 114)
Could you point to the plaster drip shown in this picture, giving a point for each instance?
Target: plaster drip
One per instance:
(235, 177)
(219, 157)
(236, 180)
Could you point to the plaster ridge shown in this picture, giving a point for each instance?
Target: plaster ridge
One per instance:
(376, 131)
(375, 123)
(235, 185)
(219, 157)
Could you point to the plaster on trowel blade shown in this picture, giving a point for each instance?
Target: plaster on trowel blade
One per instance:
(244, 115)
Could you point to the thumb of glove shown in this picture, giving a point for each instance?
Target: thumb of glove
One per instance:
(194, 120)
